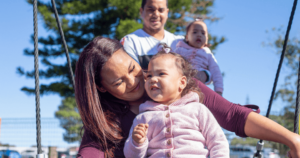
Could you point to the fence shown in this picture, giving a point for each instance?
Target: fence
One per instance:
(21, 132)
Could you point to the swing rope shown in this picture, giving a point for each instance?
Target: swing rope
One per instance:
(64, 43)
(259, 146)
(296, 118)
(36, 72)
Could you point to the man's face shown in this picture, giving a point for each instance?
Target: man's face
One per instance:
(154, 14)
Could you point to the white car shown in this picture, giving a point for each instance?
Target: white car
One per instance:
(242, 151)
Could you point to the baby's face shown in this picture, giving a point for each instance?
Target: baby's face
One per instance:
(163, 80)
(197, 35)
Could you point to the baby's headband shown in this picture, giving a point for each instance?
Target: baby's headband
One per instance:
(164, 49)
(199, 19)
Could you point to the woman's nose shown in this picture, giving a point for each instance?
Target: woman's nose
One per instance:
(130, 81)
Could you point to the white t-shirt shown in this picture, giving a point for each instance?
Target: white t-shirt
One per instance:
(142, 46)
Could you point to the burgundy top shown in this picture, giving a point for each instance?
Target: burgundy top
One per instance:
(230, 116)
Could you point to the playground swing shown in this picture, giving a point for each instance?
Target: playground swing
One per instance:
(260, 143)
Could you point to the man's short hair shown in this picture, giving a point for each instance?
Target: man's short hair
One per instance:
(145, 1)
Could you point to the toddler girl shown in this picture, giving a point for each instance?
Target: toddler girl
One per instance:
(196, 51)
(175, 123)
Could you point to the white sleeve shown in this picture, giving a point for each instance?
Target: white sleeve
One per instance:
(216, 74)
(129, 47)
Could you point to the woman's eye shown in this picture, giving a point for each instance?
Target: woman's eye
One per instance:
(194, 32)
(132, 69)
(118, 84)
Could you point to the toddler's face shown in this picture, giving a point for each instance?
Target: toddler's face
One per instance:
(197, 35)
(164, 82)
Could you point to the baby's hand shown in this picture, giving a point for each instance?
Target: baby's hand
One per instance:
(220, 93)
(139, 133)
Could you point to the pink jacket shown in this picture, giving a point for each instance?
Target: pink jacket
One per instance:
(186, 128)
(202, 59)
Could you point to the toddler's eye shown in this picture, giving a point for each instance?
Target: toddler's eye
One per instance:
(160, 74)
(148, 76)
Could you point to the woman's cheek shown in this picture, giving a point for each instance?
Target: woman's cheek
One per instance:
(120, 90)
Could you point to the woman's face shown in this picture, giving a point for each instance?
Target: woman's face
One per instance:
(122, 77)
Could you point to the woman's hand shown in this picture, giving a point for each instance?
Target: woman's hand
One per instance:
(139, 133)
(295, 149)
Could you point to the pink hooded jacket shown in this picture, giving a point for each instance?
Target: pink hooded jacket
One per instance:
(185, 128)
(202, 59)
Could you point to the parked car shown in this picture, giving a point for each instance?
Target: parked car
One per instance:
(31, 154)
(271, 153)
(9, 154)
(241, 151)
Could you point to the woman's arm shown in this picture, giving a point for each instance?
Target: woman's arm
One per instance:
(230, 116)
(260, 127)
(89, 148)
(244, 122)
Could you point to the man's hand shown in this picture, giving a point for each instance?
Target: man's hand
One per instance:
(139, 133)
(201, 76)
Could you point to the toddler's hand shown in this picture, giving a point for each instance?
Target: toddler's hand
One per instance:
(139, 133)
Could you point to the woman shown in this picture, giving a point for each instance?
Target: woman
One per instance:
(110, 88)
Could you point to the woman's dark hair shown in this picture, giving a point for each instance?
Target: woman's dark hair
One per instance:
(98, 110)
(186, 68)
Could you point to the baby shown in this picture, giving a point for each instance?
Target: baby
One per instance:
(196, 51)
(175, 123)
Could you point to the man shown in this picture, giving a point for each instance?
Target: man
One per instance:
(142, 44)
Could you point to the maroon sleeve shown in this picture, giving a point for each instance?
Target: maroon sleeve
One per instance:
(230, 116)
(89, 149)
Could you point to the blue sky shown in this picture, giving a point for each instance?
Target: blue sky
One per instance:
(249, 67)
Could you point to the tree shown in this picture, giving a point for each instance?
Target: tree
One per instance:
(70, 120)
(81, 21)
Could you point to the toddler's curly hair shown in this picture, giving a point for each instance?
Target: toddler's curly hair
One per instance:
(186, 69)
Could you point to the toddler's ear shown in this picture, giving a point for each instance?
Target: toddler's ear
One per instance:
(183, 83)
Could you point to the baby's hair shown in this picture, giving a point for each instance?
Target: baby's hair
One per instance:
(185, 67)
(190, 24)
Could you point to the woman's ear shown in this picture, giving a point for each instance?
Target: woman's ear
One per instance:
(182, 84)
(101, 89)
